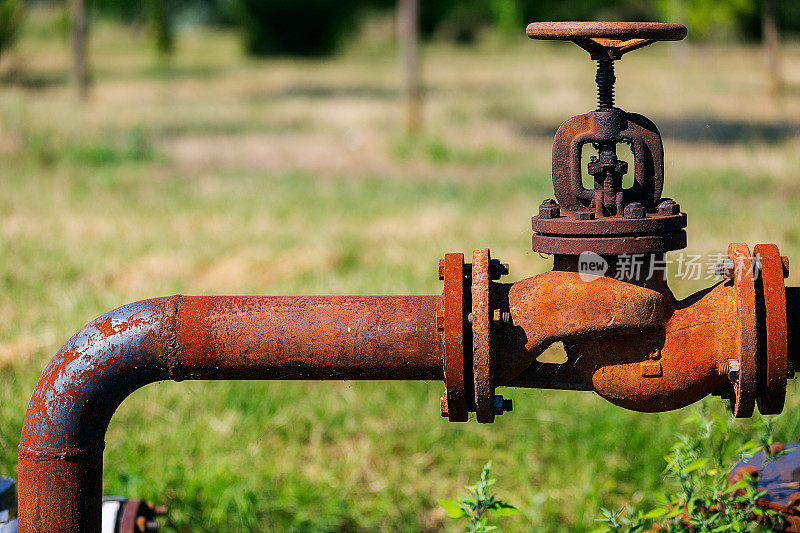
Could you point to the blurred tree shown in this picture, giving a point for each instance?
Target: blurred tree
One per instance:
(80, 75)
(12, 13)
(769, 34)
(408, 37)
(160, 17)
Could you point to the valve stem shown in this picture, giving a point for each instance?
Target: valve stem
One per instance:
(605, 83)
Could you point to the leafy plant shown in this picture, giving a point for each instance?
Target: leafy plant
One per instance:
(12, 13)
(702, 499)
(478, 503)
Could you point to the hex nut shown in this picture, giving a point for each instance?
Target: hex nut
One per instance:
(668, 207)
(634, 210)
(549, 211)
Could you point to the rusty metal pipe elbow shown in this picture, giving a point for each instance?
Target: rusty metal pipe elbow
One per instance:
(60, 453)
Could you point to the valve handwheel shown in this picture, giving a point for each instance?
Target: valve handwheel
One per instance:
(608, 39)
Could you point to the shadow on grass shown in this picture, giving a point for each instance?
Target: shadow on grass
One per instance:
(701, 130)
(331, 92)
(32, 80)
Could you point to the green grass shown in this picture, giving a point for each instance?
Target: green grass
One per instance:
(219, 174)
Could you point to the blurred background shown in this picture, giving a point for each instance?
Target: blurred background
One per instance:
(337, 147)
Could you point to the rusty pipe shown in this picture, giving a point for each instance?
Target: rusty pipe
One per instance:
(631, 342)
(60, 453)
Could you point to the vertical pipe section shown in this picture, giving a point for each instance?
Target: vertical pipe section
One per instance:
(61, 449)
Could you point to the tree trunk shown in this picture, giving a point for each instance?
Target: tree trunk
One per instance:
(408, 37)
(79, 32)
(769, 32)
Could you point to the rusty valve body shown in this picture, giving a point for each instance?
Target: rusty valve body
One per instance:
(630, 341)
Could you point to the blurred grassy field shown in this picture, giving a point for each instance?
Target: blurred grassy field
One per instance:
(216, 174)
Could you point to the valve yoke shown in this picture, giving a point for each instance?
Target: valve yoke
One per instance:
(608, 219)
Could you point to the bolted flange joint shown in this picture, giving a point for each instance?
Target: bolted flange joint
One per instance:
(466, 321)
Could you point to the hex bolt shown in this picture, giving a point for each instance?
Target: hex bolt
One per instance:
(725, 269)
(443, 404)
(583, 215)
(729, 367)
(634, 210)
(549, 209)
(501, 405)
(501, 316)
(668, 206)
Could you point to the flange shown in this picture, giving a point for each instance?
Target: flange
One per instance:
(569, 225)
(611, 245)
(455, 403)
(744, 383)
(481, 335)
(771, 318)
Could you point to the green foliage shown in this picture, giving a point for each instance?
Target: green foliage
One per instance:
(477, 505)
(319, 27)
(12, 12)
(702, 499)
(158, 15)
(311, 28)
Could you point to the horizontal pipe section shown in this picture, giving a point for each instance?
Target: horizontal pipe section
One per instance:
(308, 337)
(60, 453)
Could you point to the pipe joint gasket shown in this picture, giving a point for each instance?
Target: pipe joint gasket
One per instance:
(66, 452)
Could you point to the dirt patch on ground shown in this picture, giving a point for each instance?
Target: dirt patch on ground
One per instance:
(313, 153)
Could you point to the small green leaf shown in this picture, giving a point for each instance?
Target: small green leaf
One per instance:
(694, 465)
(503, 509)
(675, 512)
(655, 513)
(452, 509)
